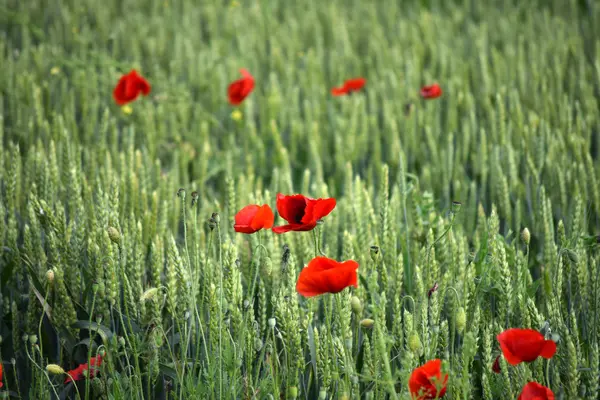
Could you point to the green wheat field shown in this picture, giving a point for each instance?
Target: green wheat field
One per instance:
(122, 276)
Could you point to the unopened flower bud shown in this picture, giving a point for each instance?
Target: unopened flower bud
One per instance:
(322, 394)
(149, 294)
(258, 345)
(194, 198)
(572, 256)
(271, 323)
(181, 192)
(54, 369)
(367, 323)
(461, 320)
(375, 253)
(121, 341)
(414, 343)
(525, 236)
(33, 339)
(267, 266)
(215, 217)
(114, 235)
(50, 276)
(356, 305)
(456, 207)
(293, 392)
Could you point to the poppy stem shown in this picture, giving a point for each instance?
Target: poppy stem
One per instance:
(316, 242)
(548, 373)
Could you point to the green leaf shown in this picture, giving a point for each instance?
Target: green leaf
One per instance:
(102, 330)
(169, 371)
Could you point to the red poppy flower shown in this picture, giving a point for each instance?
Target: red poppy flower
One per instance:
(351, 85)
(496, 365)
(302, 212)
(77, 373)
(253, 218)
(324, 275)
(1, 373)
(129, 88)
(241, 88)
(431, 92)
(535, 391)
(426, 382)
(524, 345)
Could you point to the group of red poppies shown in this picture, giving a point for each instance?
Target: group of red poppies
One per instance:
(322, 274)
(132, 84)
(518, 345)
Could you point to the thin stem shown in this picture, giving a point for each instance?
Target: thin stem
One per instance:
(220, 313)
(89, 355)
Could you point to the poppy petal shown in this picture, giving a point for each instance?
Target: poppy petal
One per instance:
(291, 208)
(549, 349)
(339, 91)
(317, 209)
(355, 84)
(263, 218)
(294, 227)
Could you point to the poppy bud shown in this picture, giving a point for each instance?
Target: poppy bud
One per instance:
(367, 323)
(375, 253)
(572, 256)
(356, 305)
(461, 320)
(258, 344)
(525, 236)
(181, 192)
(322, 394)
(414, 343)
(54, 369)
(212, 224)
(149, 294)
(33, 339)
(471, 256)
(215, 217)
(456, 207)
(194, 198)
(114, 235)
(121, 341)
(272, 323)
(50, 276)
(344, 396)
(408, 108)
(293, 392)
(268, 266)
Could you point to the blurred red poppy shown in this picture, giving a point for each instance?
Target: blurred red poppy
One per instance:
(431, 92)
(302, 212)
(496, 365)
(241, 88)
(129, 88)
(351, 85)
(1, 373)
(427, 382)
(77, 373)
(524, 345)
(253, 218)
(535, 391)
(324, 275)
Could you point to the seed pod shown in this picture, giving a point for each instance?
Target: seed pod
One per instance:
(525, 236)
(367, 323)
(356, 305)
(55, 369)
(114, 235)
(414, 343)
(461, 320)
